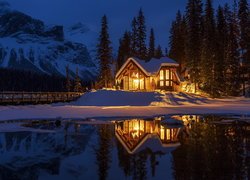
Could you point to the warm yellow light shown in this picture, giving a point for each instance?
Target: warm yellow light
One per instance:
(136, 81)
(162, 133)
(161, 75)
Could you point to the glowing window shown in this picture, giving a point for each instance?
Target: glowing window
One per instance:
(162, 133)
(167, 74)
(161, 75)
(168, 134)
(161, 83)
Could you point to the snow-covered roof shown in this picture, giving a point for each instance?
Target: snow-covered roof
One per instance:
(150, 67)
(153, 66)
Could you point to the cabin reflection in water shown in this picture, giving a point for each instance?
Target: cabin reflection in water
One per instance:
(138, 134)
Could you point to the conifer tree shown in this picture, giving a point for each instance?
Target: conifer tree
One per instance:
(194, 39)
(151, 50)
(142, 34)
(208, 55)
(166, 52)
(158, 52)
(124, 51)
(244, 23)
(134, 38)
(232, 55)
(221, 44)
(177, 40)
(68, 81)
(104, 54)
(78, 85)
(244, 17)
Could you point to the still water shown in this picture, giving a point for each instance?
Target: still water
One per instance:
(204, 147)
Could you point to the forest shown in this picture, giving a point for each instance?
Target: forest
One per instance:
(211, 45)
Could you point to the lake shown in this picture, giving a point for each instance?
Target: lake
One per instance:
(202, 147)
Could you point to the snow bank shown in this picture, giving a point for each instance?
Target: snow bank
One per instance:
(117, 98)
(106, 103)
(126, 98)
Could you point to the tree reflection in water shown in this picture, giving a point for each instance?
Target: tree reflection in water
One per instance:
(103, 149)
(213, 151)
(207, 147)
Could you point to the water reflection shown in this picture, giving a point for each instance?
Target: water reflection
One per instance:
(207, 147)
(214, 150)
(138, 134)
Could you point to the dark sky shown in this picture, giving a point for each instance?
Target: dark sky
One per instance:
(159, 13)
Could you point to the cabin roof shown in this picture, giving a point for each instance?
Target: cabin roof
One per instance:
(150, 67)
(154, 64)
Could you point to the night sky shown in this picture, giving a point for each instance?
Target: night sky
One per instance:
(159, 13)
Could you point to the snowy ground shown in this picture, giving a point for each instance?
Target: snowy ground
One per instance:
(120, 103)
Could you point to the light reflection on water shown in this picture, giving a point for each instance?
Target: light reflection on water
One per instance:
(206, 147)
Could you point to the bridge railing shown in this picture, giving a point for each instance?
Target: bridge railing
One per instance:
(10, 97)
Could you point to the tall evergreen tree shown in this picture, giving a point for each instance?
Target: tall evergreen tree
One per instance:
(244, 22)
(166, 52)
(177, 40)
(232, 55)
(134, 38)
(194, 39)
(142, 35)
(124, 51)
(78, 85)
(158, 52)
(208, 55)
(104, 54)
(68, 81)
(151, 50)
(244, 16)
(221, 44)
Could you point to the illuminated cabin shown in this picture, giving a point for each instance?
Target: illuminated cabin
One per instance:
(136, 135)
(150, 75)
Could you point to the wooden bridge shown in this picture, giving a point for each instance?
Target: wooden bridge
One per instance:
(37, 97)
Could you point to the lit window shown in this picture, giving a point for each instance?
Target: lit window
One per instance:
(168, 134)
(167, 74)
(161, 83)
(167, 83)
(161, 75)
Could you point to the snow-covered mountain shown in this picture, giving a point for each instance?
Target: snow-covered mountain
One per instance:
(28, 44)
(80, 33)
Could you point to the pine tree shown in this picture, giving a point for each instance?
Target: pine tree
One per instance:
(68, 81)
(221, 43)
(134, 38)
(232, 55)
(177, 40)
(142, 35)
(244, 14)
(244, 22)
(124, 51)
(166, 52)
(194, 39)
(78, 85)
(151, 50)
(158, 52)
(208, 56)
(104, 54)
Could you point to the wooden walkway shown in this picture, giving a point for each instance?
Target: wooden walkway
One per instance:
(37, 97)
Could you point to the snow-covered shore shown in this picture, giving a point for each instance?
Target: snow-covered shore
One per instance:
(118, 104)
